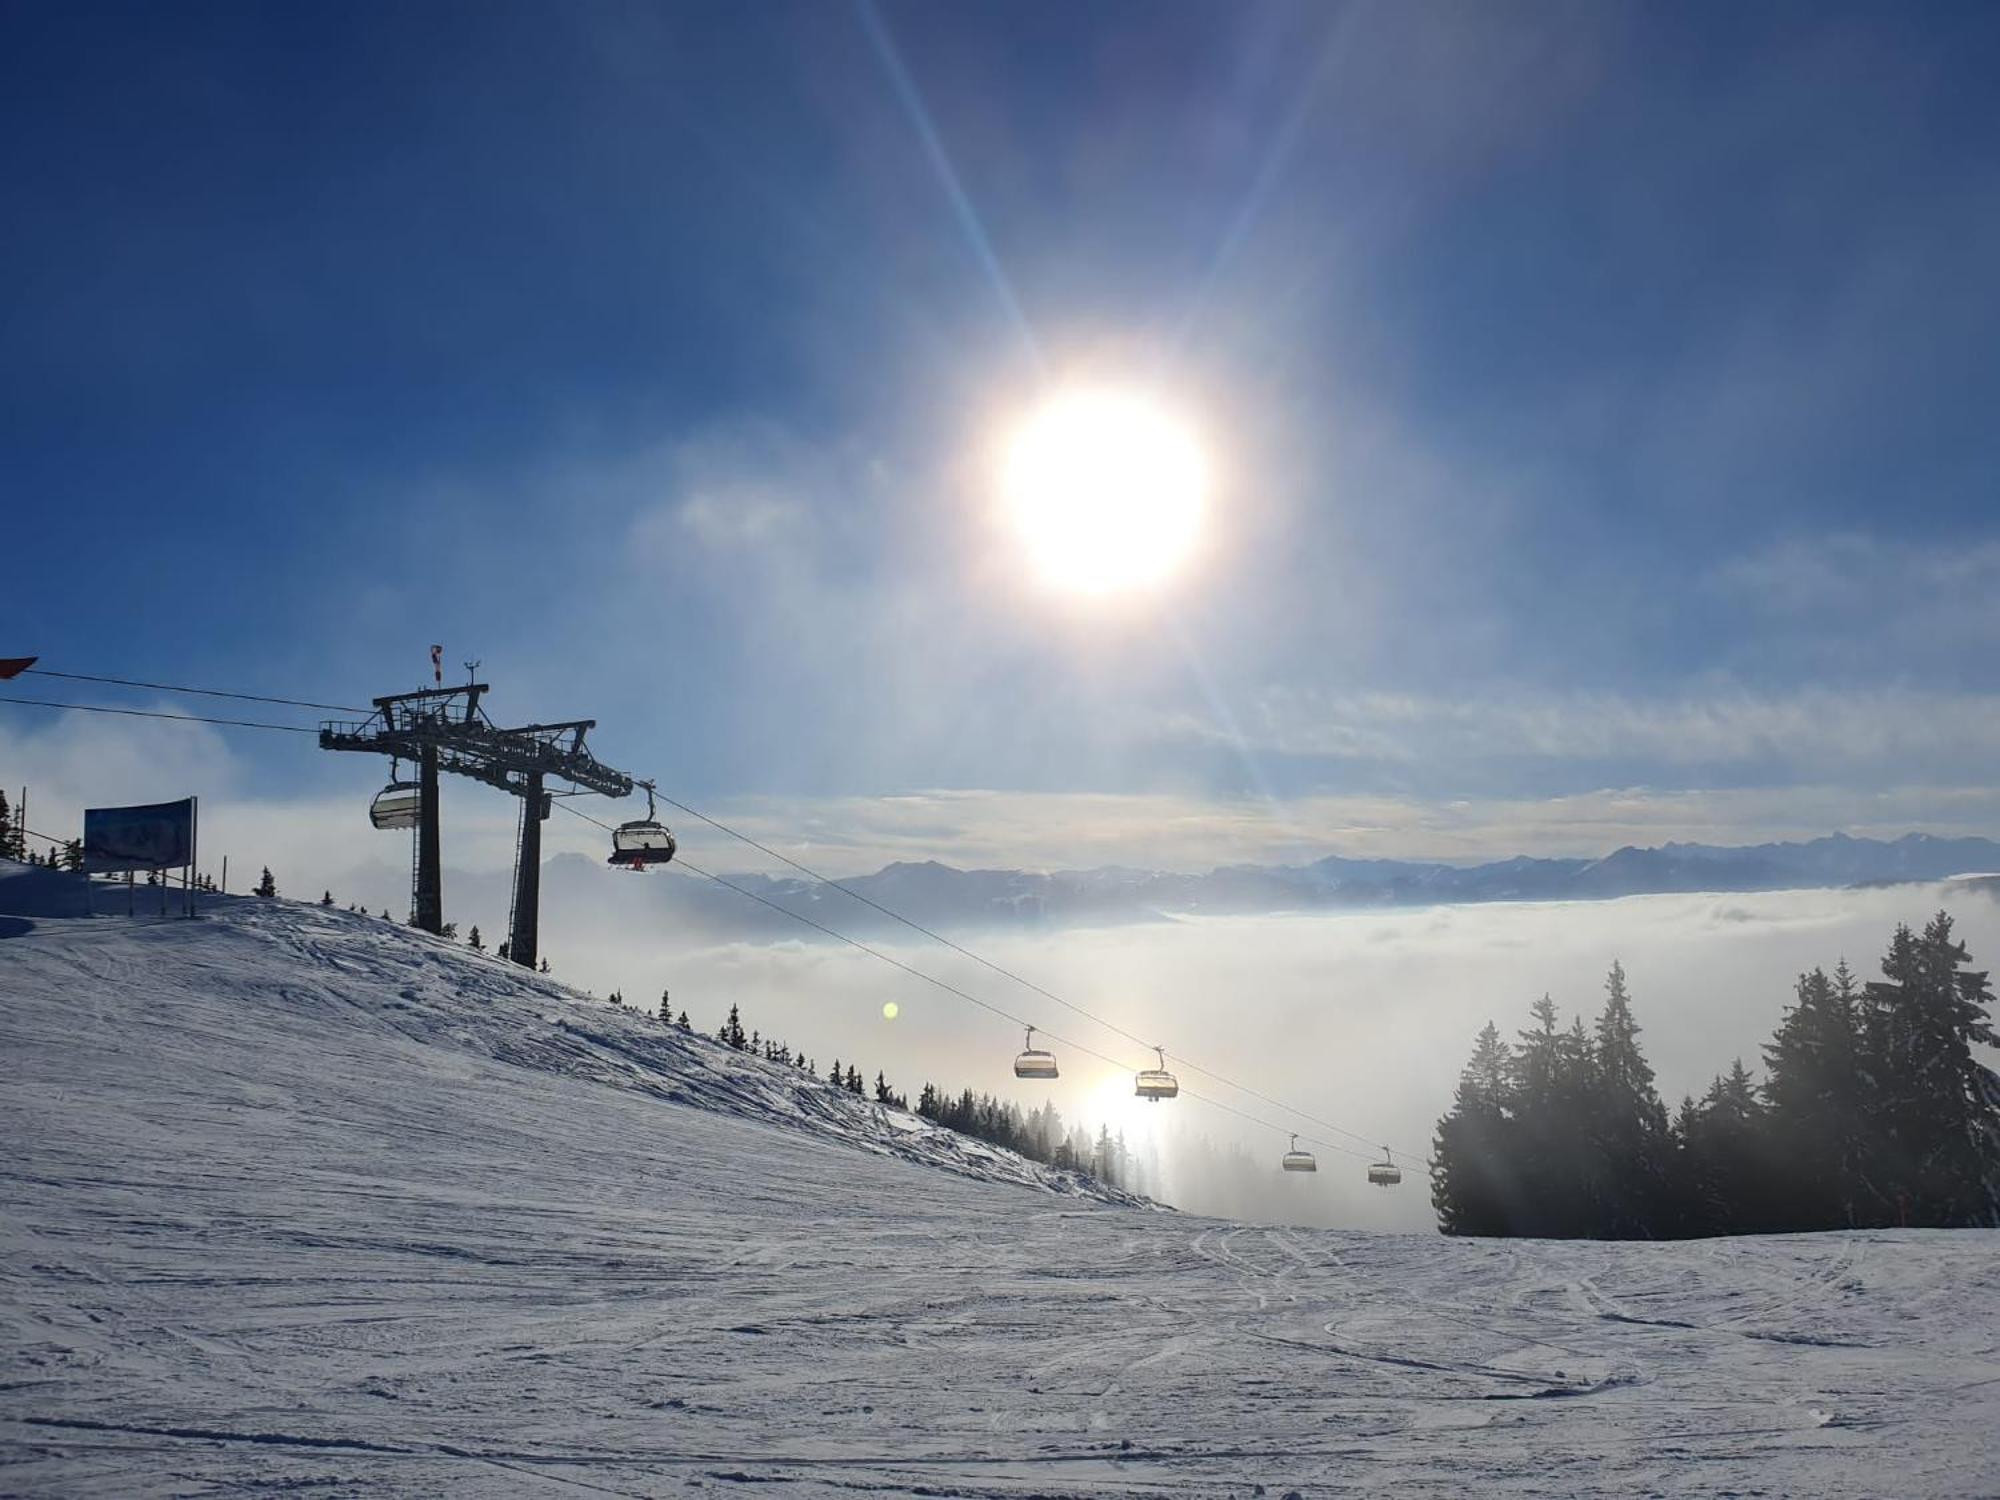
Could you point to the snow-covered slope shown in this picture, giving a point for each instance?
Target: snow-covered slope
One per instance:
(317, 980)
(291, 1199)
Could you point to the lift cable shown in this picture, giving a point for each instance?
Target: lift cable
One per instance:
(954, 990)
(145, 713)
(745, 838)
(168, 687)
(1026, 983)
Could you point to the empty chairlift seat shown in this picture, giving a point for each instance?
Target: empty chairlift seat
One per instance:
(1157, 1083)
(396, 805)
(1299, 1161)
(1385, 1173)
(1033, 1062)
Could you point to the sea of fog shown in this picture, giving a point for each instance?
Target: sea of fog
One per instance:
(1364, 1018)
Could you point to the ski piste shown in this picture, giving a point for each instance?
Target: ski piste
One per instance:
(300, 1198)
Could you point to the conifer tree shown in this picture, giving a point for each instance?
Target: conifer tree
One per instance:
(1817, 1125)
(1936, 1106)
(1627, 1123)
(683, 1023)
(545, 966)
(883, 1094)
(731, 1033)
(13, 835)
(266, 885)
(666, 1010)
(473, 940)
(1683, 1214)
(1472, 1184)
(1551, 1086)
(1719, 1172)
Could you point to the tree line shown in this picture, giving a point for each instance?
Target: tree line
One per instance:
(1038, 1134)
(14, 843)
(1875, 1110)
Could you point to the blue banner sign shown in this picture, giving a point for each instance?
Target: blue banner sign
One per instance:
(157, 836)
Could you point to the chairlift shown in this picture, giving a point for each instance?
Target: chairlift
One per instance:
(643, 841)
(1033, 1062)
(1297, 1160)
(1157, 1083)
(1385, 1173)
(397, 805)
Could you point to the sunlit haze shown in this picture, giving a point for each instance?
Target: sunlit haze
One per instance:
(1127, 439)
(857, 708)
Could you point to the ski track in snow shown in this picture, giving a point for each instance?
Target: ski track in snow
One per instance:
(293, 1199)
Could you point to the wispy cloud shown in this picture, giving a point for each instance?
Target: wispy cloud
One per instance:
(1867, 736)
(1863, 600)
(323, 838)
(737, 488)
(1165, 831)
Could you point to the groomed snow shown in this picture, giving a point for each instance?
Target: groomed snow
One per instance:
(296, 1199)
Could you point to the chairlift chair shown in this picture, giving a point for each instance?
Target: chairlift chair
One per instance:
(1156, 1084)
(1299, 1161)
(1385, 1173)
(643, 841)
(396, 805)
(1033, 1062)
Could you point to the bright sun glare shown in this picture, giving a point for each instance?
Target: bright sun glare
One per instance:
(1106, 489)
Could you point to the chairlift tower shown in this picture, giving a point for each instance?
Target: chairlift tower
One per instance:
(445, 729)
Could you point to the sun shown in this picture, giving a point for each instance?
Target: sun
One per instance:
(1106, 489)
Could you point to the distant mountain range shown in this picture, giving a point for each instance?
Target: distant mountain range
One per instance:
(940, 895)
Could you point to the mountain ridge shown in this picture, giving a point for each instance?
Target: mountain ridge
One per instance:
(938, 894)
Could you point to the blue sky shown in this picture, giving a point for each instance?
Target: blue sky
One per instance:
(1602, 398)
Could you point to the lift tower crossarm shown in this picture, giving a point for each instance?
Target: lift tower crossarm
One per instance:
(474, 748)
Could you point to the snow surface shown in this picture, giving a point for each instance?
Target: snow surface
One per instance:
(293, 1199)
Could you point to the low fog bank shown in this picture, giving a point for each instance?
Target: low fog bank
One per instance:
(1362, 1018)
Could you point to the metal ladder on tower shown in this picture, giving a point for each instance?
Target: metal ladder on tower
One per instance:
(514, 902)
